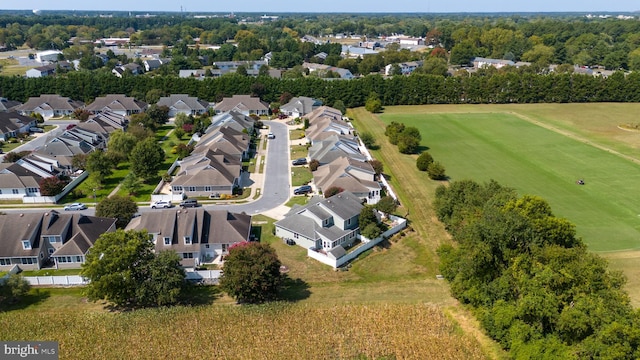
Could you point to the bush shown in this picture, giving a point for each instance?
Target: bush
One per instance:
(392, 131)
(368, 140)
(387, 204)
(371, 231)
(424, 160)
(332, 191)
(436, 171)
(313, 165)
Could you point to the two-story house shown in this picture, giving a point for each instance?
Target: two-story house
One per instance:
(197, 235)
(323, 224)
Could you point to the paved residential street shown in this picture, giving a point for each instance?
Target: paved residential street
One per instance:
(276, 178)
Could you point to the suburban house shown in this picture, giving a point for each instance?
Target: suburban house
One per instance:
(152, 64)
(8, 105)
(333, 147)
(105, 123)
(31, 240)
(50, 69)
(406, 68)
(17, 182)
(327, 125)
(63, 149)
(208, 173)
(480, 62)
(355, 176)
(12, 123)
(244, 104)
(132, 68)
(322, 112)
(233, 119)
(227, 139)
(323, 224)
(185, 104)
(322, 69)
(198, 74)
(300, 106)
(198, 236)
(118, 104)
(49, 105)
(232, 66)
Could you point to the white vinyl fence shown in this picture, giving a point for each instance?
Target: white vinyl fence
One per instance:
(200, 276)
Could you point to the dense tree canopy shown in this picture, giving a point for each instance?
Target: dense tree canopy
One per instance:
(118, 207)
(123, 269)
(534, 285)
(252, 273)
(146, 158)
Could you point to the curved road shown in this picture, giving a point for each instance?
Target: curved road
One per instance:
(275, 190)
(277, 178)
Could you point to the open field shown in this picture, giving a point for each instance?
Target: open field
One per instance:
(276, 331)
(593, 148)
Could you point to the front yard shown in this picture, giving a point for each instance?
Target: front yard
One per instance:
(300, 175)
(299, 151)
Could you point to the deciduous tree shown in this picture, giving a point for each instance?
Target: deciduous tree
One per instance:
(118, 207)
(252, 273)
(146, 158)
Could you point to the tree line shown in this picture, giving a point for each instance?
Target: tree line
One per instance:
(417, 89)
(531, 282)
(537, 38)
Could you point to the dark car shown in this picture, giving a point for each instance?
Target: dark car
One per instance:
(301, 161)
(189, 203)
(305, 189)
(35, 129)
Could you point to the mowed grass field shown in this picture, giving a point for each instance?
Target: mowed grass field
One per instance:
(538, 161)
(542, 149)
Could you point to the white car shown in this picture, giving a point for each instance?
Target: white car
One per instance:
(161, 204)
(271, 136)
(75, 206)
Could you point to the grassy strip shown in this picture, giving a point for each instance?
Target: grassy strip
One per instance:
(298, 151)
(300, 175)
(299, 200)
(50, 272)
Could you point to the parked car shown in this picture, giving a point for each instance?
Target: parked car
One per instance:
(35, 129)
(301, 161)
(304, 189)
(75, 206)
(271, 136)
(161, 204)
(189, 203)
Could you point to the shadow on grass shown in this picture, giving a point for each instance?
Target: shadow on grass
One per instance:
(34, 297)
(421, 149)
(294, 289)
(256, 232)
(201, 295)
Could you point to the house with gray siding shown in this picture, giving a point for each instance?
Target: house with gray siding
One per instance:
(323, 224)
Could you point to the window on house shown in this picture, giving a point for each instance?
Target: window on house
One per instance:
(32, 190)
(349, 222)
(27, 261)
(51, 251)
(5, 261)
(207, 188)
(26, 245)
(206, 246)
(15, 191)
(41, 255)
(187, 255)
(167, 241)
(78, 259)
(187, 240)
(192, 188)
(224, 247)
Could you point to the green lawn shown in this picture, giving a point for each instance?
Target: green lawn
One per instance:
(299, 151)
(296, 134)
(299, 200)
(300, 175)
(50, 272)
(542, 162)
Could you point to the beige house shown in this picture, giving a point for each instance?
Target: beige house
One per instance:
(244, 104)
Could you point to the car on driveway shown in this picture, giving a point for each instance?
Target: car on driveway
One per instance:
(75, 206)
(304, 189)
(301, 161)
(189, 203)
(161, 204)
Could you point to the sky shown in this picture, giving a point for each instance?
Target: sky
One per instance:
(384, 6)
